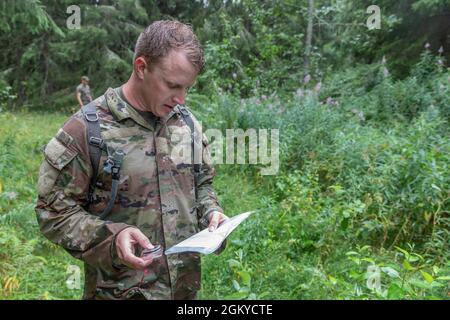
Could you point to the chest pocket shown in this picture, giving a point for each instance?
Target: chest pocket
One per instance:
(138, 162)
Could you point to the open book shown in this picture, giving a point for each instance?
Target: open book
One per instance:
(207, 242)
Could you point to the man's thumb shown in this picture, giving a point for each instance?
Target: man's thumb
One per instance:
(214, 223)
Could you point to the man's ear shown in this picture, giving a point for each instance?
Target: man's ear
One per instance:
(139, 67)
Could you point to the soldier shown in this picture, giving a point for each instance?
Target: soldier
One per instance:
(144, 194)
(83, 92)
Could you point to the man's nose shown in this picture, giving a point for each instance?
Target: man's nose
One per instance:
(180, 98)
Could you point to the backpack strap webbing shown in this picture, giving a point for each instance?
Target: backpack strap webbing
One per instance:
(188, 119)
(95, 143)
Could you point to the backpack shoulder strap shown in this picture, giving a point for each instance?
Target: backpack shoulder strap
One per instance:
(188, 119)
(95, 143)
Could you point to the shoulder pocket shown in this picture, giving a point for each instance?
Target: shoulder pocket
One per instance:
(57, 154)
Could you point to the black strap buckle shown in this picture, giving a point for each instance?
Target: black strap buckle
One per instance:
(98, 142)
(115, 172)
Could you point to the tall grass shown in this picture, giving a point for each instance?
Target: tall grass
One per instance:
(30, 266)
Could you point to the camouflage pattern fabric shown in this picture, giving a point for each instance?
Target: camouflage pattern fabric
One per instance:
(85, 93)
(156, 195)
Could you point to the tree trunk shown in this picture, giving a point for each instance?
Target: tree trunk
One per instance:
(309, 34)
(45, 61)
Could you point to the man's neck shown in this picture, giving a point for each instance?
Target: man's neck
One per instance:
(132, 94)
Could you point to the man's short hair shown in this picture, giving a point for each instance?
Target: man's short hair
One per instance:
(155, 42)
(84, 78)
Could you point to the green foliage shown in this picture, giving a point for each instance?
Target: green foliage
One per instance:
(30, 266)
(398, 275)
(348, 183)
(6, 95)
(360, 207)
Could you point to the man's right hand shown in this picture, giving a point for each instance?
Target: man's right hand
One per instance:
(126, 241)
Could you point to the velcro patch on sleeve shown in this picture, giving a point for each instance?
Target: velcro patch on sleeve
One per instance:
(64, 137)
(57, 154)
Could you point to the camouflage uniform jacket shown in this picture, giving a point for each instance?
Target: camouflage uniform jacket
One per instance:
(156, 194)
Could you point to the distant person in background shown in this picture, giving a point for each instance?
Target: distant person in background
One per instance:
(84, 92)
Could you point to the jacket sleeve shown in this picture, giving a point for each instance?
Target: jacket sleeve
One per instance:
(63, 185)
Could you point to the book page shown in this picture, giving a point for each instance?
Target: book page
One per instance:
(207, 242)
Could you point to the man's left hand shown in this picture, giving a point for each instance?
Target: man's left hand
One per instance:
(215, 219)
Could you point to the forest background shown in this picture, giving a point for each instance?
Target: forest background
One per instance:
(360, 206)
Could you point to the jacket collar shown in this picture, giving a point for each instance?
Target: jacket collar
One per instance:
(122, 110)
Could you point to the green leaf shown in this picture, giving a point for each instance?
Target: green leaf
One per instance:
(446, 278)
(368, 260)
(236, 285)
(395, 292)
(252, 296)
(428, 278)
(233, 263)
(42, 259)
(355, 260)
(332, 280)
(390, 272)
(435, 187)
(406, 253)
(246, 278)
(407, 266)
(420, 284)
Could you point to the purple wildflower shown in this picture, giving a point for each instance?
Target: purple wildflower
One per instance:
(318, 86)
(306, 79)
